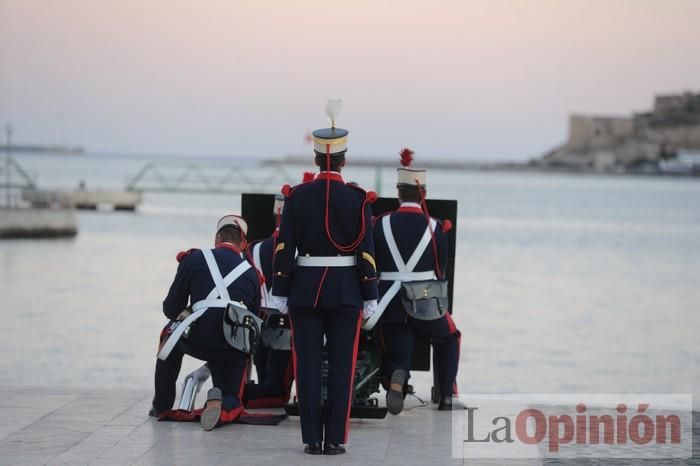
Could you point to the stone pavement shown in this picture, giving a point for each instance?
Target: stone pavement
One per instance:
(101, 427)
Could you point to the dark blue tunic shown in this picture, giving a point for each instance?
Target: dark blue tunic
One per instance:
(303, 229)
(193, 283)
(408, 226)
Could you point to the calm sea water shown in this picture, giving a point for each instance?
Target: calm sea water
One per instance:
(565, 283)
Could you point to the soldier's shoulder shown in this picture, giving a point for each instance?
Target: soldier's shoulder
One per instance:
(445, 225)
(288, 190)
(188, 254)
(261, 242)
(378, 219)
(361, 192)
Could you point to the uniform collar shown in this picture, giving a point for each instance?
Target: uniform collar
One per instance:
(230, 246)
(410, 208)
(333, 176)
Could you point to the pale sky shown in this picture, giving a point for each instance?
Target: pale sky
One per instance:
(486, 80)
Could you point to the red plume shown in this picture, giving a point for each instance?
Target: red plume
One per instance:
(406, 157)
(446, 225)
(308, 176)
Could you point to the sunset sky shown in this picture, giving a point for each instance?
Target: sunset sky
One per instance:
(486, 80)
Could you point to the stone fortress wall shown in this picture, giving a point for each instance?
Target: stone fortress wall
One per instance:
(603, 143)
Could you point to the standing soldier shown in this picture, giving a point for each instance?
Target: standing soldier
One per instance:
(328, 288)
(411, 246)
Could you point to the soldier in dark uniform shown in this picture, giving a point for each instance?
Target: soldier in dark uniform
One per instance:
(273, 360)
(200, 330)
(423, 256)
(328, 288)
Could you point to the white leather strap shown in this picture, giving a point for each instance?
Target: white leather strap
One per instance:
(258, 265)
(216, 274)
(391, 242)
(422, 246)
(326, 261)
(177, 333)
(256, 256)
(407, 276)
(215, 298)
(230, 277)
(404, 269)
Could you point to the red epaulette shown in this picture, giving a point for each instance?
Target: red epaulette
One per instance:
(288, 190)
(182, 254)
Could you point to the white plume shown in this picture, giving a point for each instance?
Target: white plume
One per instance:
(333, 108)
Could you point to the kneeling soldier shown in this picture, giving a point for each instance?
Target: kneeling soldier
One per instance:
(411, 253)
(211, 281)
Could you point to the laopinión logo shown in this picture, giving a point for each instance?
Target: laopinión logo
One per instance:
(573, 426)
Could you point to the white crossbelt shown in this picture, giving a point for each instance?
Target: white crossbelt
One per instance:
(218, 297)
(407, 276)
(326, 261)
(264, 292)
(405, 270)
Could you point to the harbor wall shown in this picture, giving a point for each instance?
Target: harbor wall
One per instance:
(37, 223)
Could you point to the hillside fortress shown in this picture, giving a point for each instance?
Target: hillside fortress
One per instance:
(603, 144)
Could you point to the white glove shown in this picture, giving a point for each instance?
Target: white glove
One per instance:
(369, 308)
(279, 302)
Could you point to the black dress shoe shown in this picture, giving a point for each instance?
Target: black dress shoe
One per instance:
(395, 394)
(333, 449)
(313, 449)
(445, 404)
(153, 412)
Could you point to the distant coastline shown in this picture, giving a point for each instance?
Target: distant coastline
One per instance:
(532, 166)
(41, 149)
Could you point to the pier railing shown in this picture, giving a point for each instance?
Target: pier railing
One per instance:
(236, 179)
(13, 180)
(199, 179)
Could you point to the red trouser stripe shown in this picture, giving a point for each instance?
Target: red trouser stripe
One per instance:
(230, 416)
(352, 375)
(241, 389)
(451, 323)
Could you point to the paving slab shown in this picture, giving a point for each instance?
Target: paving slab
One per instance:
(64, 426)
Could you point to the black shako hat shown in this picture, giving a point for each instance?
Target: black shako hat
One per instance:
(331, 140)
